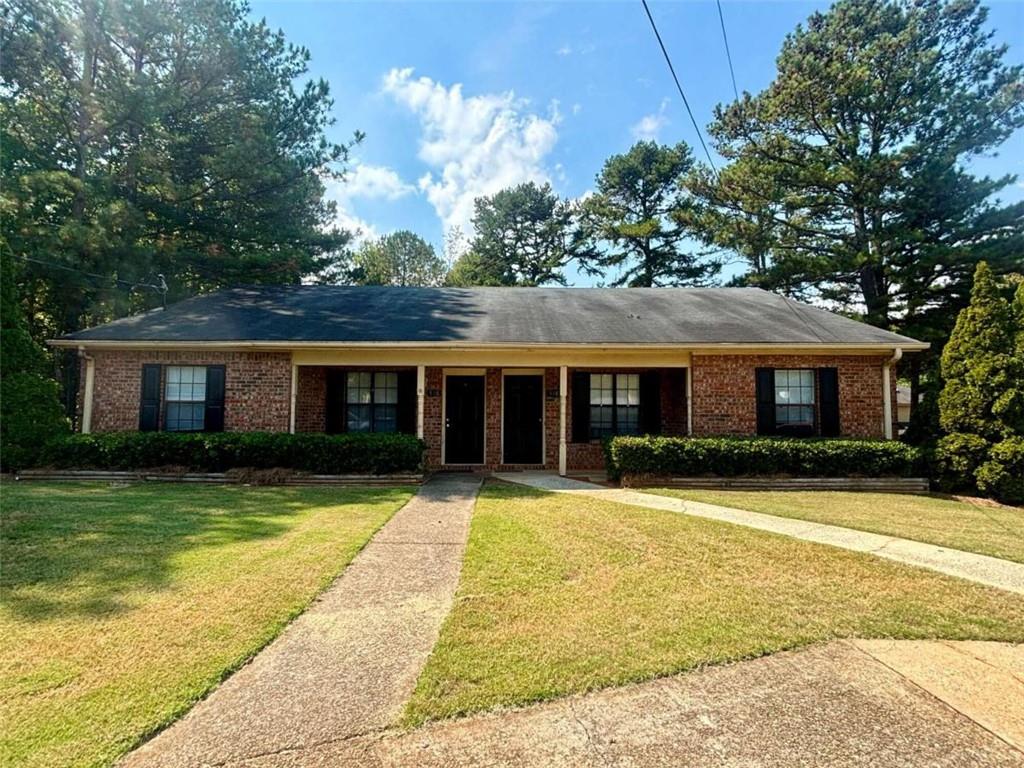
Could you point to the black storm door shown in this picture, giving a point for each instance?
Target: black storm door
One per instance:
(464, 420)
(523, 427)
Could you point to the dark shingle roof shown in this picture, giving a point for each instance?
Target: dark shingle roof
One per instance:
(492, 315)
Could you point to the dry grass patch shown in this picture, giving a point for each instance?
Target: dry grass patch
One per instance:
(988, 529)
(562, 594)
(124, 606)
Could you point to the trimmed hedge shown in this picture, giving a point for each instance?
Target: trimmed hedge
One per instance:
(734, 457)
(369, 454)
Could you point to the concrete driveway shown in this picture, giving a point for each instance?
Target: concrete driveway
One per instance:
(848, 703)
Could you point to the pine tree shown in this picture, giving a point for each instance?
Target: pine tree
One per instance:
(638, 218)
(399, 258)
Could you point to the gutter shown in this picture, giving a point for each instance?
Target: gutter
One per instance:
(887, 391)
(474, 346)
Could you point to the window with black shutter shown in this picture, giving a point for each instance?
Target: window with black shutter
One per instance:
(798, 402)
(193, 399)
(607, 404)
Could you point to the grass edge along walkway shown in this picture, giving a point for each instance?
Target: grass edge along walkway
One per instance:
(564, 593)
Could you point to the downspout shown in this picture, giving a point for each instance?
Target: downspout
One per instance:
(887, 391)
(90, 380)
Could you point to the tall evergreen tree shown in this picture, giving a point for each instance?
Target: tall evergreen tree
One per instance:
(984, 385)
(524, 235)
(854, 163)
(982, 402)
(639, 220)
(167, 136)
(399, 258)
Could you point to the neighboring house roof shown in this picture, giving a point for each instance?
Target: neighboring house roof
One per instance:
(336, 314)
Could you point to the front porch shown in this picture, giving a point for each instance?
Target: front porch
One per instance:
(495, 418)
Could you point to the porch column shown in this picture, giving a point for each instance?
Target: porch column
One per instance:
(295, 391)
(421, 391)
(90, 378)
(689, 398)
(563, 386)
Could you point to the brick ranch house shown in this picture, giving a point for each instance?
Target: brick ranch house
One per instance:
(492, 378)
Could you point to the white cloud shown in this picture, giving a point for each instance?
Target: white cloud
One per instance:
(565, 50)
(345, 218)
(364, 181)
(649, 126)
(371, 181)
(577, 108)
(475, 145)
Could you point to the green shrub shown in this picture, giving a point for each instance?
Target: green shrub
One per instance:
(958, 456)
(320, 454)
(1002, 476)
(30, 409)
(30, 415)
(730, 457)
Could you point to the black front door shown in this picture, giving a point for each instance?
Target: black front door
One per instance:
(464, 420)
(524, 420)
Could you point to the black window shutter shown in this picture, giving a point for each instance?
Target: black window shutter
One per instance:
(765, 401)
(149, 407)
(650, 403)
(407, 402)
(336, 421)
(828, 393)
(214, 419)
(580, 407)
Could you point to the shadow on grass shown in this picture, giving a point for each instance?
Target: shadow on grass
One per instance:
(83, 549)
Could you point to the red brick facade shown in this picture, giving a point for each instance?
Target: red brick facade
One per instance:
(258, 397)
(257, 387)
(724, 391)
(311, 399)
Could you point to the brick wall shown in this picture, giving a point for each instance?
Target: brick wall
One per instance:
(258, 390)
(311, 399)
(724, 391)
(257, 387)
(433, 418)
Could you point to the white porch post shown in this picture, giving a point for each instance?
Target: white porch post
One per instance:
(563, 385)
(421, 391)
(90, 379)
(689, 399)
(295, 392)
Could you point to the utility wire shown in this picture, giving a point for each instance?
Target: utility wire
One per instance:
(672, 69)
(728, 55)
(160, 288)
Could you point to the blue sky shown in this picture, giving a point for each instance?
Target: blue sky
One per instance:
(462, 99)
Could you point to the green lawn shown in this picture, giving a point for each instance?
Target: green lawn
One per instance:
(562, 594)
(996, 531)
(124, 606)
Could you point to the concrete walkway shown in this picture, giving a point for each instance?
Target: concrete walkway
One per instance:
(347, 665)
(982, 569)
(835, 705)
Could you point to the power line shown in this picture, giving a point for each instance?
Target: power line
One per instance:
(728, 55)
(161, 288)
(672, 69)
